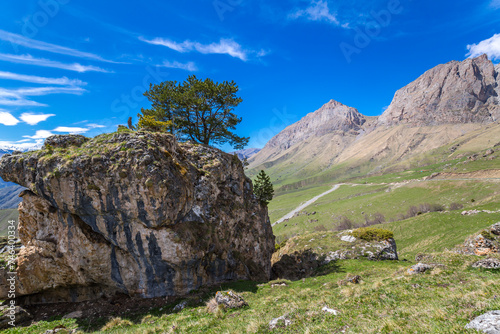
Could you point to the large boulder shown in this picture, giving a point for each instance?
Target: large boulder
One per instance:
(136, 213)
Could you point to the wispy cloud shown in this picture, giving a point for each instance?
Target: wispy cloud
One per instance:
(71, 130)
(190, 66)
(7, 119)
(64, 81)
(34, 119)
(224, 46)
(490, 46)
(53, 48)
(317, 11)
(30, 60)
(95, 126)
(17, 97)
(495, 4)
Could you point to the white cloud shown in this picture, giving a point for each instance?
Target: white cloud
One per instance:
(33, 44)
(70, 129)
(495, 4)
(95, 126)
(30, 60)
(25, 144)
(64, 81)
(224, 46)
(490, 46)
(34, 119)
(317, 11)
(41, 134)
(17, 97)
(190, 66)
(7, 119)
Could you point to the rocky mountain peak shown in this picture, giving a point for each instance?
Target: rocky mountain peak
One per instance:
(455, 92)
(331, 117)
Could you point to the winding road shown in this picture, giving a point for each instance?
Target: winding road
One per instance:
(306, 204)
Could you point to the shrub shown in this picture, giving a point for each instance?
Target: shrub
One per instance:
(320, 228)
(456, 206)
(115, 323)
(345, 224)
(372, 234)
(378, 218)
(278, 246)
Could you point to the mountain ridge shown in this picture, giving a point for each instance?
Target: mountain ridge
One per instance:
(423, 116)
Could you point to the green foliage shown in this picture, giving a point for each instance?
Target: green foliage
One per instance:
(198, 110)
(282, 244)
(263, 188)
(372, 234)
(487, 235)
(147, 122)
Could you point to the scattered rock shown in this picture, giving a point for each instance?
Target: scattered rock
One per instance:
(354, 279)
(280, 322)
(330, 310)
(348, 238)
(495, 229)
(423, 257)
(180, 306)
(74, 315)
(230, 299)
(419, 268)
(488, 323)
(488, 152)
(13, 315)
(487, 264)
(483, 243)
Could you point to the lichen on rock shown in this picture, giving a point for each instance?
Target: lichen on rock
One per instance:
(136, 213)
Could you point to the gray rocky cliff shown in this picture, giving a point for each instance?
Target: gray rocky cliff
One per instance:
(136, 213)
(456, 92)
(331, 117)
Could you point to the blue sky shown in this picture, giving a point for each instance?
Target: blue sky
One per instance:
(71, 66)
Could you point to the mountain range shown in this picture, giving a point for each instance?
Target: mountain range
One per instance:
(456, 102)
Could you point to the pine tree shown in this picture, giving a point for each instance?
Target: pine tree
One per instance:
(263, 188)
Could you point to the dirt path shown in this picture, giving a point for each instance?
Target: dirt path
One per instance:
(306, 204)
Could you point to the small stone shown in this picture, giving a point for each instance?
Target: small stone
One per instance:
(182, 305)
(348, 238)
(280, 322)
(73, 315)
(487, 264)
(495, 229)
(488, 323)
(419, 268)
(329, 310)
(230, 299)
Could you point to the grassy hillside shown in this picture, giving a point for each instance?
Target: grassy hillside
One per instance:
(387, 300)
(383, 151)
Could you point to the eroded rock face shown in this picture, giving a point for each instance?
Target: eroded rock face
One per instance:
(135, 213)
(456, 92)
(331, 117)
